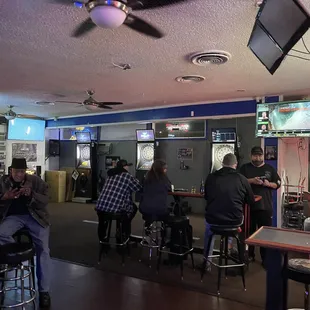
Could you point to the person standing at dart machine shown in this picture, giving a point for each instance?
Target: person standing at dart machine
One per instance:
(264, 179)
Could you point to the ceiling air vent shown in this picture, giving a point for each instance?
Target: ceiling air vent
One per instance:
(190, 79)
(44, 103)
(204, 59)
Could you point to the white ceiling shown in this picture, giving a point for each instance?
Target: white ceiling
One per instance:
(40, 61)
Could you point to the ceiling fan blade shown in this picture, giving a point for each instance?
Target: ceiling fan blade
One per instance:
(152, 4)
(109, 103)
(28, 116)
(138, 24)
(64, 101)
(102, 106)
(85, 27)
(64, 2)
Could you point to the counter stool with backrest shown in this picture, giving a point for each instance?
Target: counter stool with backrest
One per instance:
(19, 236)
(224, 232)
(299, 270)
(12, 256)
(181, 230)
(151, 236)
(121, 239)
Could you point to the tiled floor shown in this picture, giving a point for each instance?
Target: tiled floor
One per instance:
(75, 287)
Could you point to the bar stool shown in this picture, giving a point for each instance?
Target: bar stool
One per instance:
(12, 256)
(224, 232)
(151, 236)
(121, 239)
(18, 236)
(299, 270)
(181, 229)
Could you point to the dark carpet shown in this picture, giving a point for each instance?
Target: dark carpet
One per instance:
(76, 241)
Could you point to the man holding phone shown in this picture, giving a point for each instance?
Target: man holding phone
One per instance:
(263, 179)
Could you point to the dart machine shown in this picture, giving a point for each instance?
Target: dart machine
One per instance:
(145, 152)
(86, 167)
(223, 142)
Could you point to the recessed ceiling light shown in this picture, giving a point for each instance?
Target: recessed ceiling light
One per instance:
(215, 57)
(190, 79)
(240, 90)
(44, 103)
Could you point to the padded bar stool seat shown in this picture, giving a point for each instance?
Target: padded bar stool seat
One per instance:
(298, 270)
(12, 256)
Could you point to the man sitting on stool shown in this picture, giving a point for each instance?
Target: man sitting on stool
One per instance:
(116, 197)
(226, 192)
(23, 205)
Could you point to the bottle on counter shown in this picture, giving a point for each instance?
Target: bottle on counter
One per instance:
(202, 187)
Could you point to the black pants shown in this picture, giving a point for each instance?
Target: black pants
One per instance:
(258, 219)
(126, 222)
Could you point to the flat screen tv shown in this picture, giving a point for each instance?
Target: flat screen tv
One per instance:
(26, 129)
(278, 27)
(283, 119)
(83, 137)
(220, 135)
(145, 135)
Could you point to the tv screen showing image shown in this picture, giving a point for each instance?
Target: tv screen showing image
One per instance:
(83, 137)
(26, 129)
(145, 135)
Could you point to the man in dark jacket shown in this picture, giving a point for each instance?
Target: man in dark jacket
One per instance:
(226, 192)
(23, 203)
(116, 197)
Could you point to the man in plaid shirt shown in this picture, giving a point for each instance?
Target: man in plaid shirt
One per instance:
(116, 197)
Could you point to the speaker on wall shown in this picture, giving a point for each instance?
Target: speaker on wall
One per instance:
(54, 147)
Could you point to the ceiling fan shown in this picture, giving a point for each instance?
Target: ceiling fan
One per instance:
(91, 104)
(10, 114)
(113, 14)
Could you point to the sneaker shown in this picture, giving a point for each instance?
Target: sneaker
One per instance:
(44, 300)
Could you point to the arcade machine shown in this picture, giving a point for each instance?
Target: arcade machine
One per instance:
(86, 167)
(223, 142)
(145, 153)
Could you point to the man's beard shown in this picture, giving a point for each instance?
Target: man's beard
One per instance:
(257, 163)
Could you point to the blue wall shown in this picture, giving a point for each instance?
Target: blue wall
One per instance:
(177, 112)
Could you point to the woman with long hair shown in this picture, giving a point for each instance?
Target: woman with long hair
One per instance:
(153, 205)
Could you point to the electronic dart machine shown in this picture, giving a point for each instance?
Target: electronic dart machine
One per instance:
(223, 142)
(86, 166)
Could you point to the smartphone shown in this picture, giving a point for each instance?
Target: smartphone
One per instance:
(263, 178)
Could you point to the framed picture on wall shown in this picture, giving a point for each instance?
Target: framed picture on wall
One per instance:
(185, 153)
(271, 152)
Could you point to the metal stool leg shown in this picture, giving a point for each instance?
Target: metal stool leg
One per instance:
(306, 301)
(22, 285)
(160, 249)
(33, 273)
(241, 260)
(181, 235)
(219, 275)
(226, 255)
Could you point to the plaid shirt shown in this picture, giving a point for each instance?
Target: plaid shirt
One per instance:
(116, 193)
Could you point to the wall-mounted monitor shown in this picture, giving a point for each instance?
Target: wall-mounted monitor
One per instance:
(83, 137)
(220, 135)
(283, 119)
(26, 129)
(279, 25)
(145, 135)
(185, 129)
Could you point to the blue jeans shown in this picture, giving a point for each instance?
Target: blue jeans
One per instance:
(40, 237)
(208, 235)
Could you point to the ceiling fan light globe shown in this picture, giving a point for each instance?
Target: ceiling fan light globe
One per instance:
(107, 16)
(9, 117)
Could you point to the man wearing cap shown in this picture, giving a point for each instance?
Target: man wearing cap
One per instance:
(23, 202)
(116, 197)
(263, 179)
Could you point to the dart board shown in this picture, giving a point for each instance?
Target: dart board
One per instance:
(145, 156)
(83, 155)
(218, 152)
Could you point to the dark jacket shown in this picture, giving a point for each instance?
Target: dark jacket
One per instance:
(226, 192)
(38, 204)
(155, 196)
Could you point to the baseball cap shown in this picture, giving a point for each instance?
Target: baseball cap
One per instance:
(123, 163)
(257, 150)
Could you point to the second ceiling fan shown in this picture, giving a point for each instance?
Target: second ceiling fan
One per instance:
(113, 14)
(91, 104)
